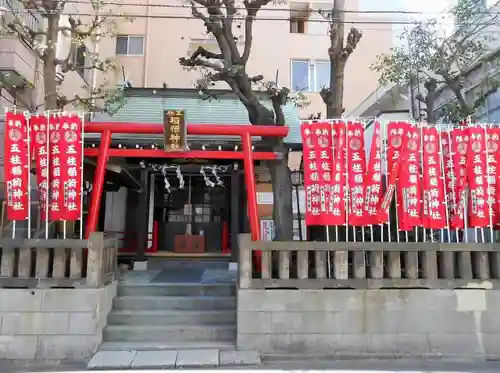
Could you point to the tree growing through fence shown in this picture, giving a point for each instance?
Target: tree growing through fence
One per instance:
(339, 52)
(59, 26)
(443, 52)
(222, 19)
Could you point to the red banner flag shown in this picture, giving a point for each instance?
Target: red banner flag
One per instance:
(395, 132)
(450, 182)
(479, 211)
(56, 193)
(339, 184)
(356, 173)
(493, 147)
(373, 178)
(459, 146)
(17, 164)
(434, 216)
(395, 139)
(39, 135)
(71, 166)
(410, 205)
(318, 153)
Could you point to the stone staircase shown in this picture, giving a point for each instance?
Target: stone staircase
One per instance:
(172, 316)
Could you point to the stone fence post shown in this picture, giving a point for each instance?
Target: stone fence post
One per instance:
(245, 261)
(95, 260)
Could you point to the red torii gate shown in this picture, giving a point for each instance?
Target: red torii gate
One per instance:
(103, 152)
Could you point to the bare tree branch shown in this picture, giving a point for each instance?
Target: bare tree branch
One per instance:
(436, 58)
(202, 52)
(353, 38)
(78, 32)
(189, 62)
(44, 40)
(232, 69)
(257, 78)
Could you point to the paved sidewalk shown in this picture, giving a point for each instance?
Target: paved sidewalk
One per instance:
(312, 366)
(384, 366)
(163, 359)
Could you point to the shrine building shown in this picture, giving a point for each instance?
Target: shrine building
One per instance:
(181, 207)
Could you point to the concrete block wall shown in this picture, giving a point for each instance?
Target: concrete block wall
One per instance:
(383, 323)
(53, 324)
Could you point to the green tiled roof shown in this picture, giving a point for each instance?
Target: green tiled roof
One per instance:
(149, 109)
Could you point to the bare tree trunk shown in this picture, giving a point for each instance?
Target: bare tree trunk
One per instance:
(49, 63)
(281, 179)
(430, 100)
(335, 108)
(339, 52)
(282, 194)
(50, 90)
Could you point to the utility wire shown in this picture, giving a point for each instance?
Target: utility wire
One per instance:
(406, 12)
(240, 18)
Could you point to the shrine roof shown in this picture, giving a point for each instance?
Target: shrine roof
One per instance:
(146, 105)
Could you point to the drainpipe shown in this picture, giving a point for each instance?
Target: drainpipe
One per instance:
(146, 46)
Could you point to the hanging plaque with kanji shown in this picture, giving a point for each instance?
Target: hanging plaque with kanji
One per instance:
(174, 122)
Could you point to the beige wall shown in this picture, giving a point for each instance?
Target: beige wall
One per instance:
(167, 39)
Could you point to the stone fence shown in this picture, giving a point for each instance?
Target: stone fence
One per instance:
(55, 296)
(57, 263)
(370, 298)
(367, 265)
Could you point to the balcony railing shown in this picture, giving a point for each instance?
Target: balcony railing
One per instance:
(27, 18)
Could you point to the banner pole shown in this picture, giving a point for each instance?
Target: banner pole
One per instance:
(445, 187)
(28, 131)
(364, 186)
(396, 204)
(14, 222)
(82, 116)
(48, 193)
(327, 230)
(328, 275)
(63, 185)
(380, 151)
(385, 145)
(347, 193)
(488, 184)
(425, 192)
(405, 198)
(368, 195)
(453, 179)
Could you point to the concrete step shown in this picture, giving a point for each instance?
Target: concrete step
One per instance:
(174, 289)
(170, 333)
(158, 346)
(171, 317)
(175, 303)
(181, 359)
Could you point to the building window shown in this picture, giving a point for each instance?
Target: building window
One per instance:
(80, 59)
(298, 25)
(130, 45)
(210, 45)
(310, 75)
(492, 112)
